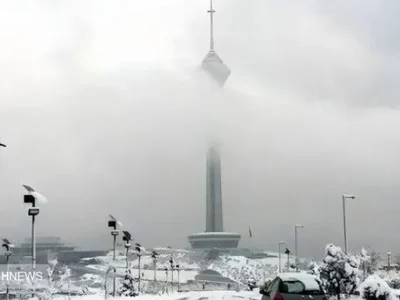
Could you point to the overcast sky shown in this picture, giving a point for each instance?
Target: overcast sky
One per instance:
(103, 112)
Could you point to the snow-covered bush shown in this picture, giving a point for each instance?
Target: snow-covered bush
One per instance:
(128, 287)
(314, 269)
(375, 288)
(339, 272)
(58, 278)
(391, 277)
(369, 261)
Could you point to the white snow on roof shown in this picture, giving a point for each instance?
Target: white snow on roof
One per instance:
(310, 281)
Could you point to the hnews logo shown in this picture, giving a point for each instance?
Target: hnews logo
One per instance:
(21, 276)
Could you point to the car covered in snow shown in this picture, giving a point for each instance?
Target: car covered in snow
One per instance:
(293, 286)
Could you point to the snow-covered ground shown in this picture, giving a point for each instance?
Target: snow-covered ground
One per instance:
(211, 295)
(237, 268)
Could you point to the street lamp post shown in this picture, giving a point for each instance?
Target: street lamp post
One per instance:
(344, 197)
(171, 262)
(139, 250)
(33, 211)
(287, 252)
(154, 256)
(178, 269)
(7, 245)
(114, 233)
(127, 238)
(279, 254)
(297, 226)
(166, 279)
(389, 254)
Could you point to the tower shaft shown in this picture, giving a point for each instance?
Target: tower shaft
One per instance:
(214, 218)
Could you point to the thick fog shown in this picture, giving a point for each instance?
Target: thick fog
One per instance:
(104, 110)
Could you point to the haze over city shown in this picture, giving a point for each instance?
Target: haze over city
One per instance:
(103, 110)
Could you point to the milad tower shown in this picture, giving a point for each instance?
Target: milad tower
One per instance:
(214, 236)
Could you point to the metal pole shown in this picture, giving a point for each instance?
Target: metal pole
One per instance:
(288, 262)
(295, 247)
(155, 269)
(388, 260)
(172, 279)
(279, 266)
(8, 282)
(69, 288)
(139, 274)
(115, 268)
(166, 280)
(127, 262)
(33, 245)
(179, 286)
(344, 223)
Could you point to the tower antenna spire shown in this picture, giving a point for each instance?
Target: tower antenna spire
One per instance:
(211, 11)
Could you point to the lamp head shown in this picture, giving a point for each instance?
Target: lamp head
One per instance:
(114, 219)
(127, 236)
(139, 249)
(112, 224)
(30, 199)
(7, 245)
(3, 145)
(36, 196)
(349, 196)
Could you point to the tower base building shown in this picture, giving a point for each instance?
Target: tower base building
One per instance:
(213, 240)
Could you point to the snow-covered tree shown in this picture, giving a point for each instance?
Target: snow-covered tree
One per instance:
(369, 260)
(397, 259)
(339, 272)
(314, 269)
(58, 278)
(128, 287)
(375, 288)
(391, 277)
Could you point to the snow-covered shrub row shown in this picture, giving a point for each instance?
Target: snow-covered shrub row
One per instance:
(375, 288)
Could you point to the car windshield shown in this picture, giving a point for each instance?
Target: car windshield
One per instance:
(300, 287)
(293, 287)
